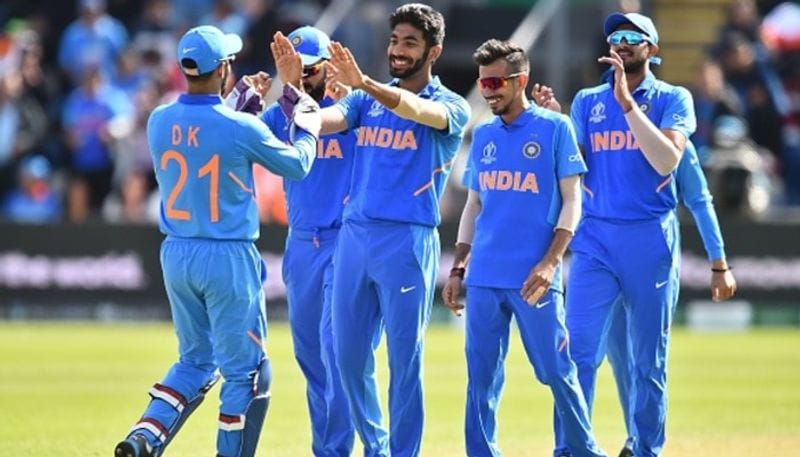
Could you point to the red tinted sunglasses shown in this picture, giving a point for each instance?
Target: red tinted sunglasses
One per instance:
(313, 70)
(497, 82)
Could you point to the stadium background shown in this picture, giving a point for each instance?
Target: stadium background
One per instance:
(100, 261)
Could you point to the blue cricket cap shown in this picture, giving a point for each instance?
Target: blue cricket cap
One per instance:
(641, 22)
(311, 43)
(207, 46)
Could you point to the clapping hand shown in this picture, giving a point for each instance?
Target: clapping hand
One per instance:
(545, 97)
(343, 66)
(621, 91)
(287, 61)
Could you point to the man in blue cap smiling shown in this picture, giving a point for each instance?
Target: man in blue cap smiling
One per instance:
(632, 129)
(203, 154)
(315, 205)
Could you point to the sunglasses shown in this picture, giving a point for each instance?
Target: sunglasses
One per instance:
(632, 37)
(496, 82)
(313, 70)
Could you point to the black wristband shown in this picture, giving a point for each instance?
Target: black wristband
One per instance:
(721, 270)
(457, 272)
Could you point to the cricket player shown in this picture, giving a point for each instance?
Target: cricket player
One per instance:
(203, 154)
(388, 249)
(523, 206)
(632, 131)
(315, 206)
(692, 188)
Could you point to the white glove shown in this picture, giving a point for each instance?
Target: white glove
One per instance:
(306, 116)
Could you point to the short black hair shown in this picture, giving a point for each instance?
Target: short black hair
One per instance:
(191, 65)
(421, 17)
(493, 49)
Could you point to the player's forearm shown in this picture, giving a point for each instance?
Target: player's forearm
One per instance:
(333, 121)
(558, 247)
(708, 225)
(407, 105)
(659, 151)
(294, 161)
(466, 225)
(571, 200)
(461, 255)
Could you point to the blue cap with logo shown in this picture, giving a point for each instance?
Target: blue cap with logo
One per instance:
(641, 22)
(311, 43)
(207, 46)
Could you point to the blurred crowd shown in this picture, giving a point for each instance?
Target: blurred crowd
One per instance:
(747, 101)
(78, 81)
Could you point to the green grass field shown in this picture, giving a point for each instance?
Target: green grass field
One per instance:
(72, 389)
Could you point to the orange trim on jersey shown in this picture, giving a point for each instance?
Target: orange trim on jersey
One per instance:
(587, 190)
(661, 186)
(239, 182)
(433, 173)
(563, 344)
(257, 340)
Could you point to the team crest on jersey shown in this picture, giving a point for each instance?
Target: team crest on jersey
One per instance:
(598, 113)
(645, 107)
(375, 110)
(489, 153)
(531, 149)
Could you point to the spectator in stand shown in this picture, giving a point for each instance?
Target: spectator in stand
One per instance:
(132, 202)
(94, 40)
(743, 18)
(95, 116)
(33, 201)
(758, 88)
(225, 16)
(713, 97)
(23, 124)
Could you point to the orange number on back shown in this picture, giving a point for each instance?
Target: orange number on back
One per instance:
(173, 213)
(211, 167)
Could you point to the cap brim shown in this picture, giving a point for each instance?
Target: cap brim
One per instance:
(311, 60)
(232, 44)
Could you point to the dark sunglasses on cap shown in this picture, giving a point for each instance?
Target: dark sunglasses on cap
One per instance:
(313, 70)
(632, 37)
(497, 82)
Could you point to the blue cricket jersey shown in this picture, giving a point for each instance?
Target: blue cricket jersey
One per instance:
(203, 155)
(693, 190)
(401, 166)
(516, 168)
(317, 201)
(621, 184)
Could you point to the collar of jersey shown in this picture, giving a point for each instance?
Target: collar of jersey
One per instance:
(199, 99)
(427, 91)
(646, 84)
(520, 120)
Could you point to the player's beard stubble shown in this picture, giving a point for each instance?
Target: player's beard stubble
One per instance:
(413, 69)
(317, 92)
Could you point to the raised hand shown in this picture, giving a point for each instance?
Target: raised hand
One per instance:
(333, 88)
(248, 93)
(260, 82)
(345, 68)
(287, 61)
(621, 91)
(545, 97)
